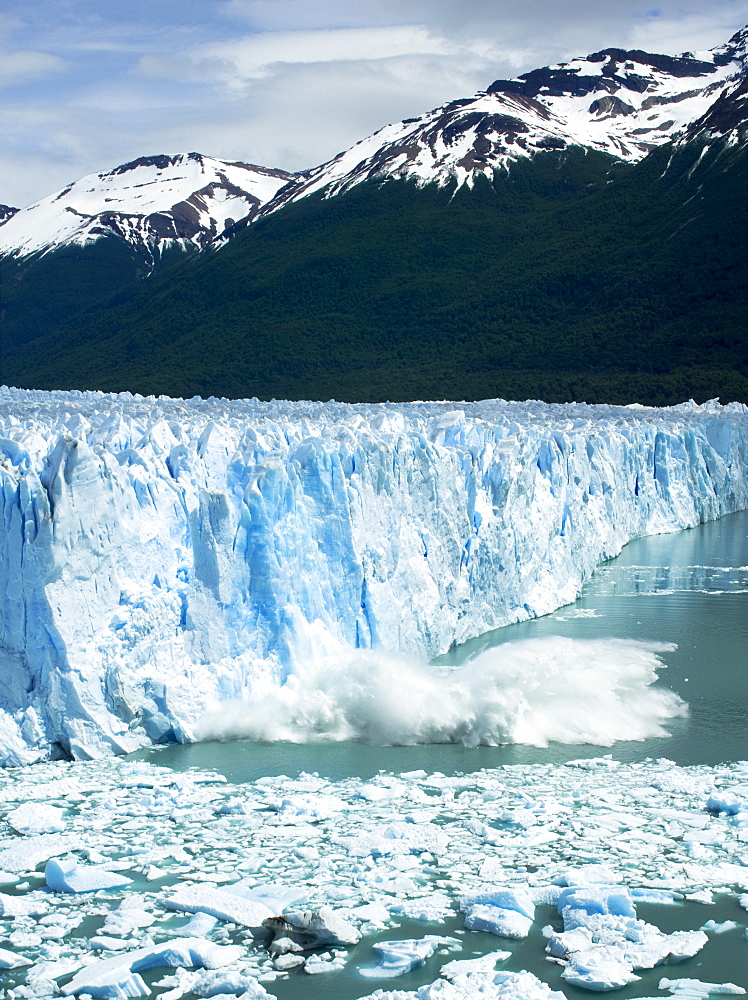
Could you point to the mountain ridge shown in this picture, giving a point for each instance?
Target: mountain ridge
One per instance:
(545, 108)
(559, 281)
(148, 202)
(538, 268)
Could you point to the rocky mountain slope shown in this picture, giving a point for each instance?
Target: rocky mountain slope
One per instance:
(620, 102)
(150, 202)
(73, 251)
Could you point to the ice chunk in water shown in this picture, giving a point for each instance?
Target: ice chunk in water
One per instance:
(713, 927)
(506, 898)
(102, 979)
(11, 960)
(219, 903)
(597, 899)
(730, 800)
(26, 854)
(463, 966)
(34, 818)
(694, 989)
(399, 957)
(275, 897)
(495, 920)
(478, 986)
(69, 875)
(599, 969)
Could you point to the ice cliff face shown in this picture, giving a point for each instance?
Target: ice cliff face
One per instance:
(159, 556)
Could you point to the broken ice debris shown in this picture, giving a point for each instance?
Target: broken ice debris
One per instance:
(34, 819)
(305, 930)
(399, 957)
(104, 978)
(69, 875)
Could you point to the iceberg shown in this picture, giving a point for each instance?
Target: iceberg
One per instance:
(108, 976)
(161, 559)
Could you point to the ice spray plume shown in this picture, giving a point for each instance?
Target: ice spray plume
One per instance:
(533, 691)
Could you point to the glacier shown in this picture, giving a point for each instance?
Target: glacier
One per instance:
(162, 557)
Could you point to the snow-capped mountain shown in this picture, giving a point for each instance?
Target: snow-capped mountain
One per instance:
(620, 102)
(151, 201)
(556, 282)
(727, 116)
(616, 101)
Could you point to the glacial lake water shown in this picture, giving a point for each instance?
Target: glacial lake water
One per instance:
(688, 588)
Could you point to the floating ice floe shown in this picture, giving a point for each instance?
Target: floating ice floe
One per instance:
(603, 943)
(464, 966)
(25, 855)
(714, 927)
(477, 986)
(220, 904)
(506, 912)
(34, 819)
(693, 989)
(121, 973)
(221, 983)
(69, 875)
(11, 960)
(399, 957)
(288, 899)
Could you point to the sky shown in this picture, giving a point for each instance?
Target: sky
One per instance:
(90, 84)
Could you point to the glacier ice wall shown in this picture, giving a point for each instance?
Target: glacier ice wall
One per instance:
(159, 557)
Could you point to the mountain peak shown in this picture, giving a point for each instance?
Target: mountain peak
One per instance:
(161, 161)
(149, 202)
(623, 102)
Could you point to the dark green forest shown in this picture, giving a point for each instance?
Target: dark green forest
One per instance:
(569, 277)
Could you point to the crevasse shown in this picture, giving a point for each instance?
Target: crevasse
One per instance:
(160, 557)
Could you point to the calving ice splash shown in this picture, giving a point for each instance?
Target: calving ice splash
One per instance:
(532, 692)
(163, 557)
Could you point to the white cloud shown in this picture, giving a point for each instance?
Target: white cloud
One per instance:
(696, 32)
(24, 67)
(250, 57)
(303, 114)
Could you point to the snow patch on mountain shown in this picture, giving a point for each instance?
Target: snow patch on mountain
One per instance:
(161, 557)
(619, 102)
(152, 201)
(623, 103)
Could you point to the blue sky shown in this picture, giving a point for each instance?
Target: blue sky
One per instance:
(89, 84)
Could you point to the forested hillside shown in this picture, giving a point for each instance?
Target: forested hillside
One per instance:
(570, 276)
